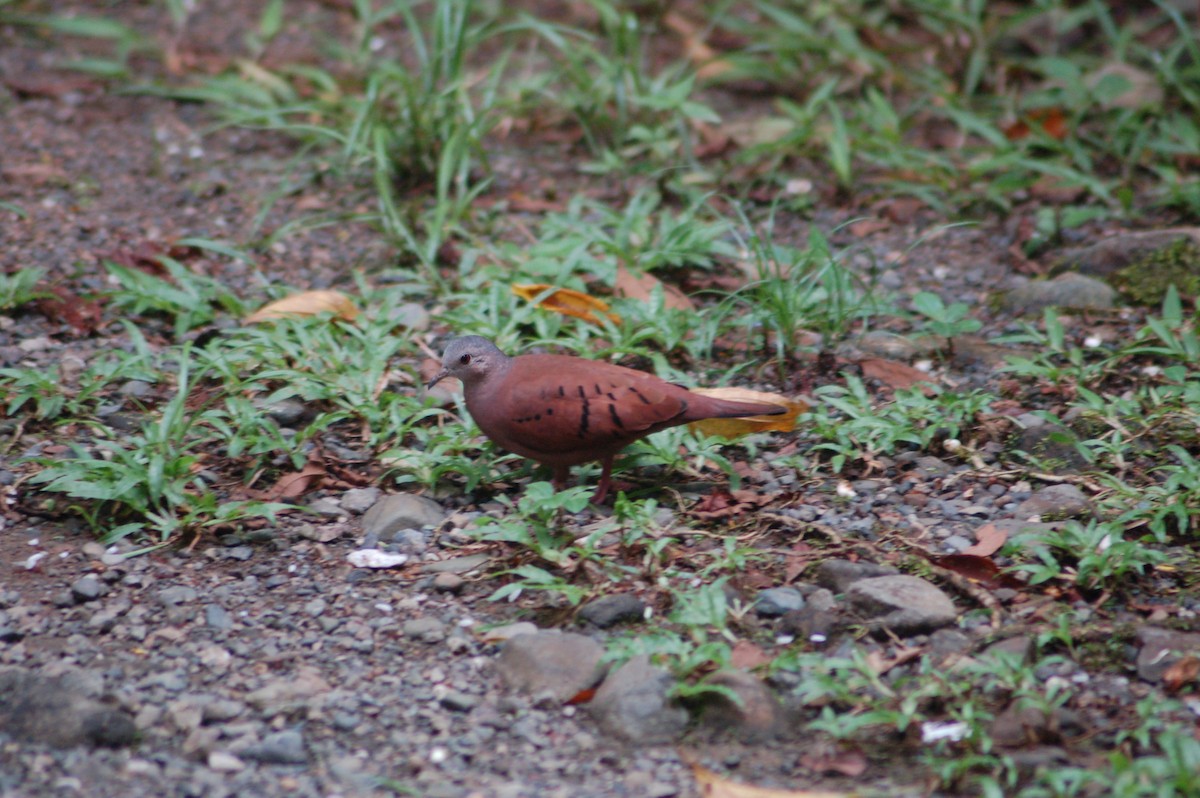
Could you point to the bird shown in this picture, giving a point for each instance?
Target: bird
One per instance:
(562, 410)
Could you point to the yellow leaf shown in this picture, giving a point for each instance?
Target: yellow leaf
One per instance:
(306, 303)
(566, 302)
(713, 786)
(734, 427)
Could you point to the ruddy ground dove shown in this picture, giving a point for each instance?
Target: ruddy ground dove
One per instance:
(562, 410)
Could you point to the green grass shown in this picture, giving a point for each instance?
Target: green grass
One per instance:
(865, 101)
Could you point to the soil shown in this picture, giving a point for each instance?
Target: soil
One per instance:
(273, 667)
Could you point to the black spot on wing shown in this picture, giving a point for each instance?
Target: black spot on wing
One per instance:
(616, 417)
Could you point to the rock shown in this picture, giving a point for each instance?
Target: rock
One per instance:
(59, 711)
(1110, 255)
(903, 604)
(1020, 648)
(401, 511)
(174, 596)
(359, 500)
(775, 601)
(1050, 446)
(1055, 502)
(457, 565)
(224, 762)
(756, 715)
(838, 575)
(457, 701)
(321, 534)
(1070, 290)
(88, 588)
(217, 617)
(563, 664)
(882, 343)
(285, 412)
(633, 704)
(1161, 649)
(448, 583)
(409, 315)
(426, 629)
(289, 694)
(280, 748)
(608, 611)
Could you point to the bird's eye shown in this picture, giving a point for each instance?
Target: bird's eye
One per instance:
(465, 359)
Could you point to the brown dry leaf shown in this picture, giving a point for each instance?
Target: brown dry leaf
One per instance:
(734, 427)
(892, 373)
(707, 63)
(1181, 673)
(566, 301)
(306, 303)
(714, 786)
(847, 763)
(747, 655)
(292, 486)
(988, 540)
(641, 286)
(82, 316)
(722, 503)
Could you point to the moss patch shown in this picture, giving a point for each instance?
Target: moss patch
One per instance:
(1146, 280)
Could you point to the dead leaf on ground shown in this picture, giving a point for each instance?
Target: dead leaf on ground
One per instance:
(723, 503)
(294, 485)
(1052, 121)
(747, 655)
(708, 64)
(83, 316)
(641, 287)
(566, 301)
(978, 569)
(892, 373)
(714, 786)
(1181, 673)
(845, 762)
(865, 227)
(988, 540)
(306, 303)
(881, 664)
(734, 427)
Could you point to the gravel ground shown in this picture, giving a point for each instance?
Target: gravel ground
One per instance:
(270, 665)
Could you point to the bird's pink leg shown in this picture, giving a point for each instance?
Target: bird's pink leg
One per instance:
(561, 475)
(606, 466)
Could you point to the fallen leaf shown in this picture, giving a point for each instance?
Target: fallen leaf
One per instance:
(722, 503)
(306, 303)
(294, 485)
(708, 64)
(865, 227)
(83, 316)
(747, 655)
(892, 373)
(1052, 121)
(641, 287)
(733, 427)
(988, 540)
(847, 763)
(714, 786)
(566, 301)
(978, 569)
(1181, 673)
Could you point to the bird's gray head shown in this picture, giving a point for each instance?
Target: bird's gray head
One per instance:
(470, 358)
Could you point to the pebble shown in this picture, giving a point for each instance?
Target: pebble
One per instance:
(775, 601)
(608, 611)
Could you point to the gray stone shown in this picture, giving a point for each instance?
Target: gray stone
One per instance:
(179, 594)
(775, 601)
(217, 617)
(321, 534)
(610, 610)
(457, 565)
(426, 629)
(634, 705)
(359, 500)
(563, 664)
(1162, 648)
(286, 412)
(59, 710)
(904, 604)
(281, 748)
(1050, 446)
(838, 575)
(401, 511)
(1068, 290)
(1056, 502)
(457, 701)
(409, 315)
(88, 588)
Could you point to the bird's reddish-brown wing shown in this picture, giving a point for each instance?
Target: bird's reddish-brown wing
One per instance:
(560, 405)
